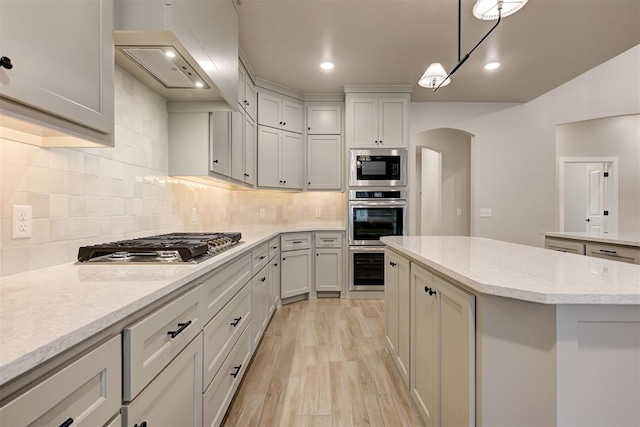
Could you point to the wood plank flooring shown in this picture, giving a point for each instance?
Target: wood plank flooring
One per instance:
(322, 363)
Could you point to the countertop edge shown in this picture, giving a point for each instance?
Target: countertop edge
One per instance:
(597, 239)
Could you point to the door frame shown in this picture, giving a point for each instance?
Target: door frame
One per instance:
(611, 199)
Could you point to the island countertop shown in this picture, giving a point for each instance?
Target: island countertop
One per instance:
(523, 272)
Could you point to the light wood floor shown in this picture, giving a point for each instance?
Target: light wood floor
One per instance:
(323, 363)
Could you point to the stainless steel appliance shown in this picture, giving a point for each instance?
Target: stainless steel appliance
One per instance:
(161, 249)
(378, 167)
(373, 213)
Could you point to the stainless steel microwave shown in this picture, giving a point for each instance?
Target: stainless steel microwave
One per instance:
(378, 167)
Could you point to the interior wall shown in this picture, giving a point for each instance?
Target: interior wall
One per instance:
(455, 170)
(431, 200)
(514, 167)
(610, 137)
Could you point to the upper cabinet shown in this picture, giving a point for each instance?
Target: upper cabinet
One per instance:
(62, 71)
(247, 97)
(183, 49)
(280, 112)
(377, 120)
(324, 120)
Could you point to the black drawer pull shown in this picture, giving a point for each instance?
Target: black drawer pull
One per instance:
(392, 264)
(236, 321)
(67, 422)
(429, 290)
(142, 424)
(6, 63)
(237, 368)
(295, 242)
(263, 279)
(606, 251)
(275, 265)
(181, 327)
(274, 247)
(262, 257)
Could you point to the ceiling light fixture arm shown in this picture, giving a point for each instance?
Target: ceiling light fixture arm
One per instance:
(460, 62)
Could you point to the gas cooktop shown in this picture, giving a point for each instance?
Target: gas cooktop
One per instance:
(160, 249)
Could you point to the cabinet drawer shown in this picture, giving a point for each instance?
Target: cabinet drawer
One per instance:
(260, 257)
(219, 394)
(295, 241)
(564, 246)
(223, 331)
(221, 285)
(614, 252)
(274, 247)
(151, 343)
(174, 397)
(328, 240)
(88, 392)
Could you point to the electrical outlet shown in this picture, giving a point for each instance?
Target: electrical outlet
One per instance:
(486, 212)
(261, 212)
(22, 222)
(318, 213)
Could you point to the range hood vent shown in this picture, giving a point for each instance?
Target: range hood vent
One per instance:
(173, 72)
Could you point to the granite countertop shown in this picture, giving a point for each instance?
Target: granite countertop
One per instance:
(620, 238)
(45, 312)
(524, 272)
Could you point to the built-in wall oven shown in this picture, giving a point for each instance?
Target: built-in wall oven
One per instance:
(373, 213)
(378, 167)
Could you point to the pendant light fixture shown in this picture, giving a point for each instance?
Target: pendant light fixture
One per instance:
(433, 77)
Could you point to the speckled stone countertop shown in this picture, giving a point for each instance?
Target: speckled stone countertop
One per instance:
(45, 312)
(524, 272)
(621, 238)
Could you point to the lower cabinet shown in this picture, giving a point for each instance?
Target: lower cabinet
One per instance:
(174, 397)
(260, 304)
(87, 392)
(564, 246)
(274, 283)
(329, 256)
(442, 380)
(397, 311)
(295, 273)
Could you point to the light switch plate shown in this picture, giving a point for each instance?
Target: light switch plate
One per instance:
(486, 213)
(22, 223)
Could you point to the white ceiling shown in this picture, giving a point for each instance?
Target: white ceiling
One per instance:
(391, 42)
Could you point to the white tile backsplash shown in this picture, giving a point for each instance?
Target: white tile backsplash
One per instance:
(84, 196)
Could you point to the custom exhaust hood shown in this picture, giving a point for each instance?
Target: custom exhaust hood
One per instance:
(182, 49)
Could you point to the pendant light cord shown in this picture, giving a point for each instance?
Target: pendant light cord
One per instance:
(460, 62)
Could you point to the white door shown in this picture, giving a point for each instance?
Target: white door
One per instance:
(324, 120)
(292, 116)
(269, 107)
(595, 199)
(328, 269)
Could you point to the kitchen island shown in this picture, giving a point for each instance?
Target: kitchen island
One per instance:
(621, 246)
(548, 338)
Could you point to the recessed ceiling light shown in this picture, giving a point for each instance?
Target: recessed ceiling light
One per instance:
(199, 84)
(491, 65)
(170, 54)
(326, 65)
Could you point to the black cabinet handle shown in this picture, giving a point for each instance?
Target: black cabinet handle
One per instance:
(284, 182)
(380, 141)
(376, 141)
(295, 242)
(429, 290)
(283, 259)
(68, 421)
(215, 161)
(237, 368)
(6, 63)
(236, 321)
(274, 247)
(607, 251)
(308, 183)
(262, 257)
(263, 279)
(280, 122)
(392, 264)
(275, 265)
(309, 128)
(142, 424)
(588, 220)
(181, 327)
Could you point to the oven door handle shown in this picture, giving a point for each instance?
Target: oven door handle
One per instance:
(385, 204)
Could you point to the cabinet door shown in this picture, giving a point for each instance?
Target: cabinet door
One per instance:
(329, 270)
(220, 142)
(391, 305)
(424, 383)
(87, 392)
(268, 157)
(393, 122)
(291, 160)
(250, 99)
(292, 116)
(260, 304)
(274, 283)
(362, 128)
(250, 141)
(457, 355)
(237, 146)
(324, 162)
(574, 247)
(404, 318)
(173, 398)
(242, 78)
(324, 120)
(62, 55)
(295, 276)
(269, 110)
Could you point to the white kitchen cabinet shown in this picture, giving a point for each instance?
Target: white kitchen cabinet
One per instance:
(620, 253)
(329, 268)
(280, 163)
(280, 112)
(260, 304)
(397, 309)
(247, 96)
(243, 148)
(220, 142)
(61, 69)
(87, 392)
(377, 120)
(324, 162)
(324, 120)
(442, 350)
(295, 276)
(174, 397)
(564, 246)
(274, 283)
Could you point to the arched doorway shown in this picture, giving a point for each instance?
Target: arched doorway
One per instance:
(443, 165)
